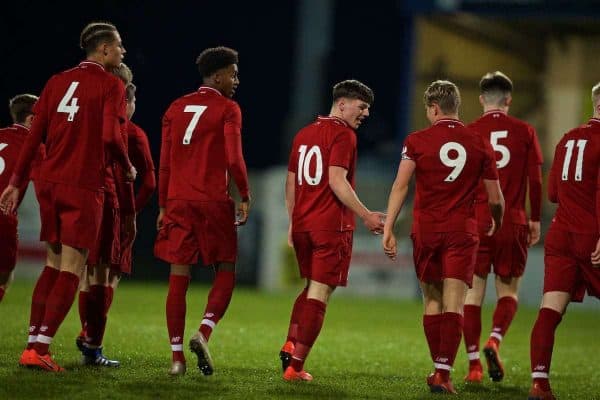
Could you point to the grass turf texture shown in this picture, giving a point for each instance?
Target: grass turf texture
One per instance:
(368, 349)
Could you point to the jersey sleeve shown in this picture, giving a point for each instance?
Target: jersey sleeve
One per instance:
(139, 152)
(164, 169)
(233, 149)
(534, 174)
(408, 150)
(111, 123)
(552, 178)
(342, 149)
(489, 161)
(293, 159)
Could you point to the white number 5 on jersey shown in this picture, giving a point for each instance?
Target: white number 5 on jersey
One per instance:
(2, 162)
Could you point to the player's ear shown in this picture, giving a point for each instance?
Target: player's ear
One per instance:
(29, 120)
(508, 100)
(481, 100)
(342, 105)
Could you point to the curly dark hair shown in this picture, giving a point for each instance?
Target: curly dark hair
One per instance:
(96, 33)
(213, 59)
(353, 89)
(495, 81)
(21, 106)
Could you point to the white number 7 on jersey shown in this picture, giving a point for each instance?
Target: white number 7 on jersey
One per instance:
(197, 110)
(72, 108)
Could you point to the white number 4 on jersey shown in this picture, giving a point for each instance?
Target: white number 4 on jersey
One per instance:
(68, 104)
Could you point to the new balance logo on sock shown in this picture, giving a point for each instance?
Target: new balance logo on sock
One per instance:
(472, 348)
(209, 315)
(176, 339)
(442, 359)
(497, 329)
(44, 328)
(540, 367)
(32, 328)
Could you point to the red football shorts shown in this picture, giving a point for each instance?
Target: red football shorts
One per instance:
(197, 231)
(8, 243)
(107, 248)
(324, 256)
(568, 267)
(70, 215)
(506, 250)
(441, 255)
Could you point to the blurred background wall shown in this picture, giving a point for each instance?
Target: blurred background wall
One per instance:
(291, 53)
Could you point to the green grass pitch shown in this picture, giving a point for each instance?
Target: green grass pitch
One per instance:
(368, 349)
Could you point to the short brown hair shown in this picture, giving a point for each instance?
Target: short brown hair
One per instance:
(21, 106)
(130, 90)
(596, 94)
(96, 33)
(353, 89)
(213, 59)
(495, 87)
(443, 93)
(123, 72)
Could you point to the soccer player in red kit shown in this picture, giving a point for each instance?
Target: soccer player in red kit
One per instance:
(321, 204)
(518, 161)
(449, 161)
(11, 141)
(572, 245)
(78, 113)
(201, 150)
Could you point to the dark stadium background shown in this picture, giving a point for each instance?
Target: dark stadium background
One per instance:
(372, 42)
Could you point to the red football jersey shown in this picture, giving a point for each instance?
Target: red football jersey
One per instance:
(12, 139)
(78, 112)
(328, 141)
(201, 148)
(141, 158)
(516, 148)
(450, 161)
(574, 180)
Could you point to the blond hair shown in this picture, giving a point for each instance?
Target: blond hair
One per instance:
(443, 93)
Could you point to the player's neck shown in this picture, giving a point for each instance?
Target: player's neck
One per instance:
(596, 116)
(442, 117)
(97, 58)
(490, 108)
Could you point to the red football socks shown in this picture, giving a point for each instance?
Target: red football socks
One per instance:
(59, 302)
(218, 301)
(311, 321)
(176, 308)
(431, 326)
(295, 317)
(96, 315)
(38, 302)
(472, 332)
(451, 327)
(506, 308)
(542, 343)
(82, 303)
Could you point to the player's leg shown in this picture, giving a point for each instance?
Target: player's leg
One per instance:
(98, 276)
(42, 289)
(285, 354)
(8, 249)
(309, 327)
(179, 280)
(59, 302)
(507, 289)
(84, 289)
(472, 327)
(554, 305)
(219, 297)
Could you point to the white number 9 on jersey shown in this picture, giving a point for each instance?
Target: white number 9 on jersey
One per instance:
(304, 161)
(457, 163)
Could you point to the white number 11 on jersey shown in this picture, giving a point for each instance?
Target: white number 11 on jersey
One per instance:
(197, 110)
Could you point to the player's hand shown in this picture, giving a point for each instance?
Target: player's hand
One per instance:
(596, 255)
(389, 245)
(374, 221)
(493, 229)
(241, 217)
(534, 233)
(290, 236)
(9, 199)
(159, 220)
(131, 174)
(129, 229)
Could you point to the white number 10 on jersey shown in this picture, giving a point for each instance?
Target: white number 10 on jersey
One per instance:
(304, 161)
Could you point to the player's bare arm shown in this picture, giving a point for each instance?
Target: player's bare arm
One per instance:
(339, 184)
(495, 202)
(290, 200)
(396, 200)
